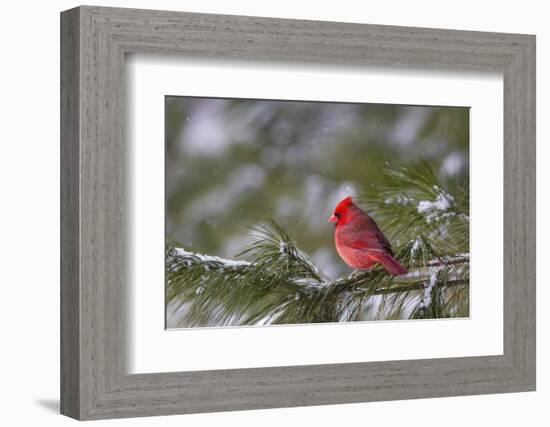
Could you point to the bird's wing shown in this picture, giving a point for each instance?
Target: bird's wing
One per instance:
(362, 233)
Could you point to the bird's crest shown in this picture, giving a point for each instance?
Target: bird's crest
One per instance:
(344, 204)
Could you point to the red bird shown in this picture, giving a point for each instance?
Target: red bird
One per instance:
(359, 241)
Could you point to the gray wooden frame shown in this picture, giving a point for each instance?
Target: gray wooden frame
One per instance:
(94, 41)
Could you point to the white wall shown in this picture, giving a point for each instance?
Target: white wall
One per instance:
(29, 183)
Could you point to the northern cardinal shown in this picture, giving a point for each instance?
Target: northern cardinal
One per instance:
(359, 241)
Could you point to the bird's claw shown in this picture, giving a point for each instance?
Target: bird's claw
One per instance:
(357, 273)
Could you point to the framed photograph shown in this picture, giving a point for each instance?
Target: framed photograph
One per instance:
(262, 213)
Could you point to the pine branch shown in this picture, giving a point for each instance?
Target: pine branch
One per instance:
(448, 260)
(178, 257)
(279, 275)
(415, 286)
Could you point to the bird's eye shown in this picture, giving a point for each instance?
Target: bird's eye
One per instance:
(337, 215)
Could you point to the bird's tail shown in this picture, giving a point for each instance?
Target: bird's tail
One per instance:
(392, 265)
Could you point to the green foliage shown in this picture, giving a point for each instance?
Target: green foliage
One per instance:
(412, 205)
(279, 284)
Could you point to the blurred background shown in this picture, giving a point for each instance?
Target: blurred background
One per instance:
(231, 163)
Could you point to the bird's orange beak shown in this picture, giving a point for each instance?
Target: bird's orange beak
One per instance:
(333, 218)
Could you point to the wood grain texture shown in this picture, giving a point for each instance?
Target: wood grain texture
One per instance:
(70, 291)
(94, 267)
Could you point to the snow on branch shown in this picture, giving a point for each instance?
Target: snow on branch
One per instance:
(195, 257)
(422, 278)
